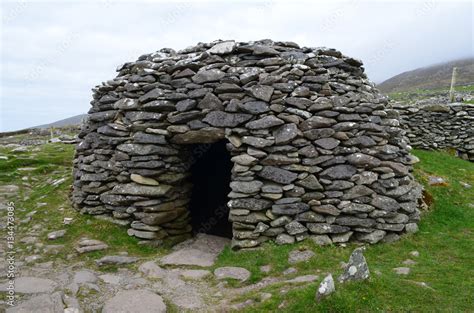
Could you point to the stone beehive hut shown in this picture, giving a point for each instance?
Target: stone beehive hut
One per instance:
(255, 140)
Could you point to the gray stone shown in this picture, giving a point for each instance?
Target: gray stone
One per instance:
(372, 237)
(224, 119)
(210, 101)
(141, 190)
(294, 228)
(310, 182)
(321, 240)
(194, 274)
(264, 122)
(140, 300)
(200, 251)
(249, 204)
(297, 256)
(151, 270)
(56, 234)
(42, 303)
(356, 269)
(204, 76)
(246, 187)
(116, 260)
(84, 276)
(238, 273)
(283, 239)
(325, 288)
(261, 92)
(224, 47)
(327, 143)
(28, 285)
(201, 136)
(339, 172)
(385, 203)
(277, 175)
(285, 133)
(254, 107)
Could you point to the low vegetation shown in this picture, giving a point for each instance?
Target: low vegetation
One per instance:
(439, 281)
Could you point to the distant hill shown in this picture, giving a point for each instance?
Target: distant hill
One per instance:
(431, 77)
(70, 121)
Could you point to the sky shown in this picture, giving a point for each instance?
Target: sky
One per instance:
(54, 52)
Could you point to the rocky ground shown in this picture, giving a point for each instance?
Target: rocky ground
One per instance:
(67, 262)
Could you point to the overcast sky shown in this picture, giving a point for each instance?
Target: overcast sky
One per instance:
(54, 52)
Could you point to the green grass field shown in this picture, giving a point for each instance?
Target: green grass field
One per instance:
(410, 95)
(445, 242)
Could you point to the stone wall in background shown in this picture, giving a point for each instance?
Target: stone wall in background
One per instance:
(440, 126)
(316, 151)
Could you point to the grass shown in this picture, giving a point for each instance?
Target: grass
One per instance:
(423, 93)
(53, 162)
(446, 262)
(445, 242)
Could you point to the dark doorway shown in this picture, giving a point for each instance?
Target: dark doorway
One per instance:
(211, 175)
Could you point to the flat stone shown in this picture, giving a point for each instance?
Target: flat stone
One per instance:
(254, 107)
(265, 122)
(385, 203)
(310, 182)
(327, 143)
(297, 256)
(194, 274)
(199, 251)
(151, 270)
(139, 179)
(84, 276)
(246, 187)
(283, 239)
(204, 76)
(111, 279)
(285, 133)
(43, 303)
(321, 240)
(372, 237)
(261, 92)
(302, 279)
(203, 135)
(133, 189)
(56, 234)
(339, 172)
(28, 284)
(140, 300)
(224, 47)
(238, 273)
(277, 175)
(116, 260)
(249, 204)
(224, 119)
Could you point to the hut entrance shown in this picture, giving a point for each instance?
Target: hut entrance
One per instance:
(211, 176)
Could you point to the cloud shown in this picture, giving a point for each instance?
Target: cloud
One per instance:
(53, 53)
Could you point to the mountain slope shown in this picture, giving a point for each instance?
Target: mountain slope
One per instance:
(70, 121)
(431, 77)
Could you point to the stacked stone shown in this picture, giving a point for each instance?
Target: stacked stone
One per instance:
(439, 126)
(315, 151)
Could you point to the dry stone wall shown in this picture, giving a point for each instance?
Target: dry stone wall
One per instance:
(440, 126)
(316, 152)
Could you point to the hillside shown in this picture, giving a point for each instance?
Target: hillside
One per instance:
(70, 121)
(431, 77)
